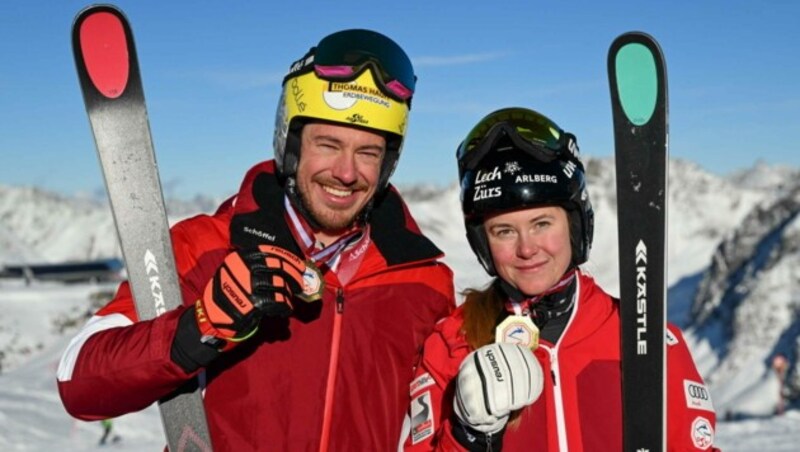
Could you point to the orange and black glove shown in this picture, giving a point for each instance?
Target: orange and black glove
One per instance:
(248, 285)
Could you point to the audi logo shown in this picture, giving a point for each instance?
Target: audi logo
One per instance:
(698, 392)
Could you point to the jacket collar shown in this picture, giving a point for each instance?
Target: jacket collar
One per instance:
(590, 312)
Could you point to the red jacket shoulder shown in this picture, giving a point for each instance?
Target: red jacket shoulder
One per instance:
(199, 244)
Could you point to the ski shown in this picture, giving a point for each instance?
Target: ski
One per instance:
(108, 71)
(638, 83)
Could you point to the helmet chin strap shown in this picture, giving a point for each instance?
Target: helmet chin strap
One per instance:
(511, 292)
(297, 201)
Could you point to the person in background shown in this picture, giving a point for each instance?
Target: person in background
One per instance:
(307, 296)
(531, 362)
(107, 425)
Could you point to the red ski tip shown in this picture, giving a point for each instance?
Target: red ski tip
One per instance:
(105, 53)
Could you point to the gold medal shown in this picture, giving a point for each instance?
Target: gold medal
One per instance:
(313, 283)
(517, 329)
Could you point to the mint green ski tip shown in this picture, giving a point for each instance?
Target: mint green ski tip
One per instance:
(637, 82)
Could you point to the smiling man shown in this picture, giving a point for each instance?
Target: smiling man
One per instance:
(307, 296)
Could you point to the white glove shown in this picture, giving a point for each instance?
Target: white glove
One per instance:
(493, 381)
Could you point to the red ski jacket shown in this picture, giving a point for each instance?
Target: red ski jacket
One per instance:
(334, 376)
(580, 408)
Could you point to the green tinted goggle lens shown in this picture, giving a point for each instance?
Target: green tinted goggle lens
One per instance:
(533, 127)
(528, 130)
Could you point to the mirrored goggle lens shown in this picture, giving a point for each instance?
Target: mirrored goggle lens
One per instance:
(392, 88)
(355, 48)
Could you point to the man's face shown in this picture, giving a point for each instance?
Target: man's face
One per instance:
(338, 173)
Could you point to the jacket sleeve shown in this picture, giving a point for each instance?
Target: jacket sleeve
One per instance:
(432, 398)
(691, 419)
(117, 364)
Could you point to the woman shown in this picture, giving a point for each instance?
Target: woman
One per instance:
(530, 223)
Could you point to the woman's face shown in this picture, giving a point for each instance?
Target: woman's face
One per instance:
(530, 247)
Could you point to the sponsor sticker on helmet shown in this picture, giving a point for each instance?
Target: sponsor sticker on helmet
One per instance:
(487, 193)
(341, 96)
(702, 433)
(572, 146)
(298, 94)
(482, 177)
(537, 179)
(697, 396)
(512, 168)
(569, 168)
(421, 417)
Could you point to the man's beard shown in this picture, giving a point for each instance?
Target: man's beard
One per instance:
(327, 219)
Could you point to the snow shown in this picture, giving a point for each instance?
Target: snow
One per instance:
(35, 327)
(33, 419)
(775, 434)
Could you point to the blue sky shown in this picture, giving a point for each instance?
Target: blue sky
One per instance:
(212, 74)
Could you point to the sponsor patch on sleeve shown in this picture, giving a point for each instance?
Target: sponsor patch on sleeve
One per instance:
(702, 433)
(420, 383)
(421, 417)
(697, 396)
(671, 339)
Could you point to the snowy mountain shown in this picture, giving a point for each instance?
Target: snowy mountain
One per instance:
(37, 226)
(734, 270)
(746, 308)
(43, 227)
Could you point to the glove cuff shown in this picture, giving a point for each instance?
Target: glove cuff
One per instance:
(474, 440)
(188, 351)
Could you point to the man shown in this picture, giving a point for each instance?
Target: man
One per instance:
(289, 361)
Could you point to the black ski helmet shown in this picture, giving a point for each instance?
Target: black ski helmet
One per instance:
(359, 78)
(515, 158)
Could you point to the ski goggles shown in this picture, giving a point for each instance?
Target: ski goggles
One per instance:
(344, 55)
(528, 131)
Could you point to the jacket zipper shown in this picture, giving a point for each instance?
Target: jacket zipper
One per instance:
(555, 372)
(330, 385)
(558, 396)
(335, 341)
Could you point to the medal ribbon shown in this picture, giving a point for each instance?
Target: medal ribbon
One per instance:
(343, 256)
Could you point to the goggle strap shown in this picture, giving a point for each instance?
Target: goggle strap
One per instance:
(301, 66)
